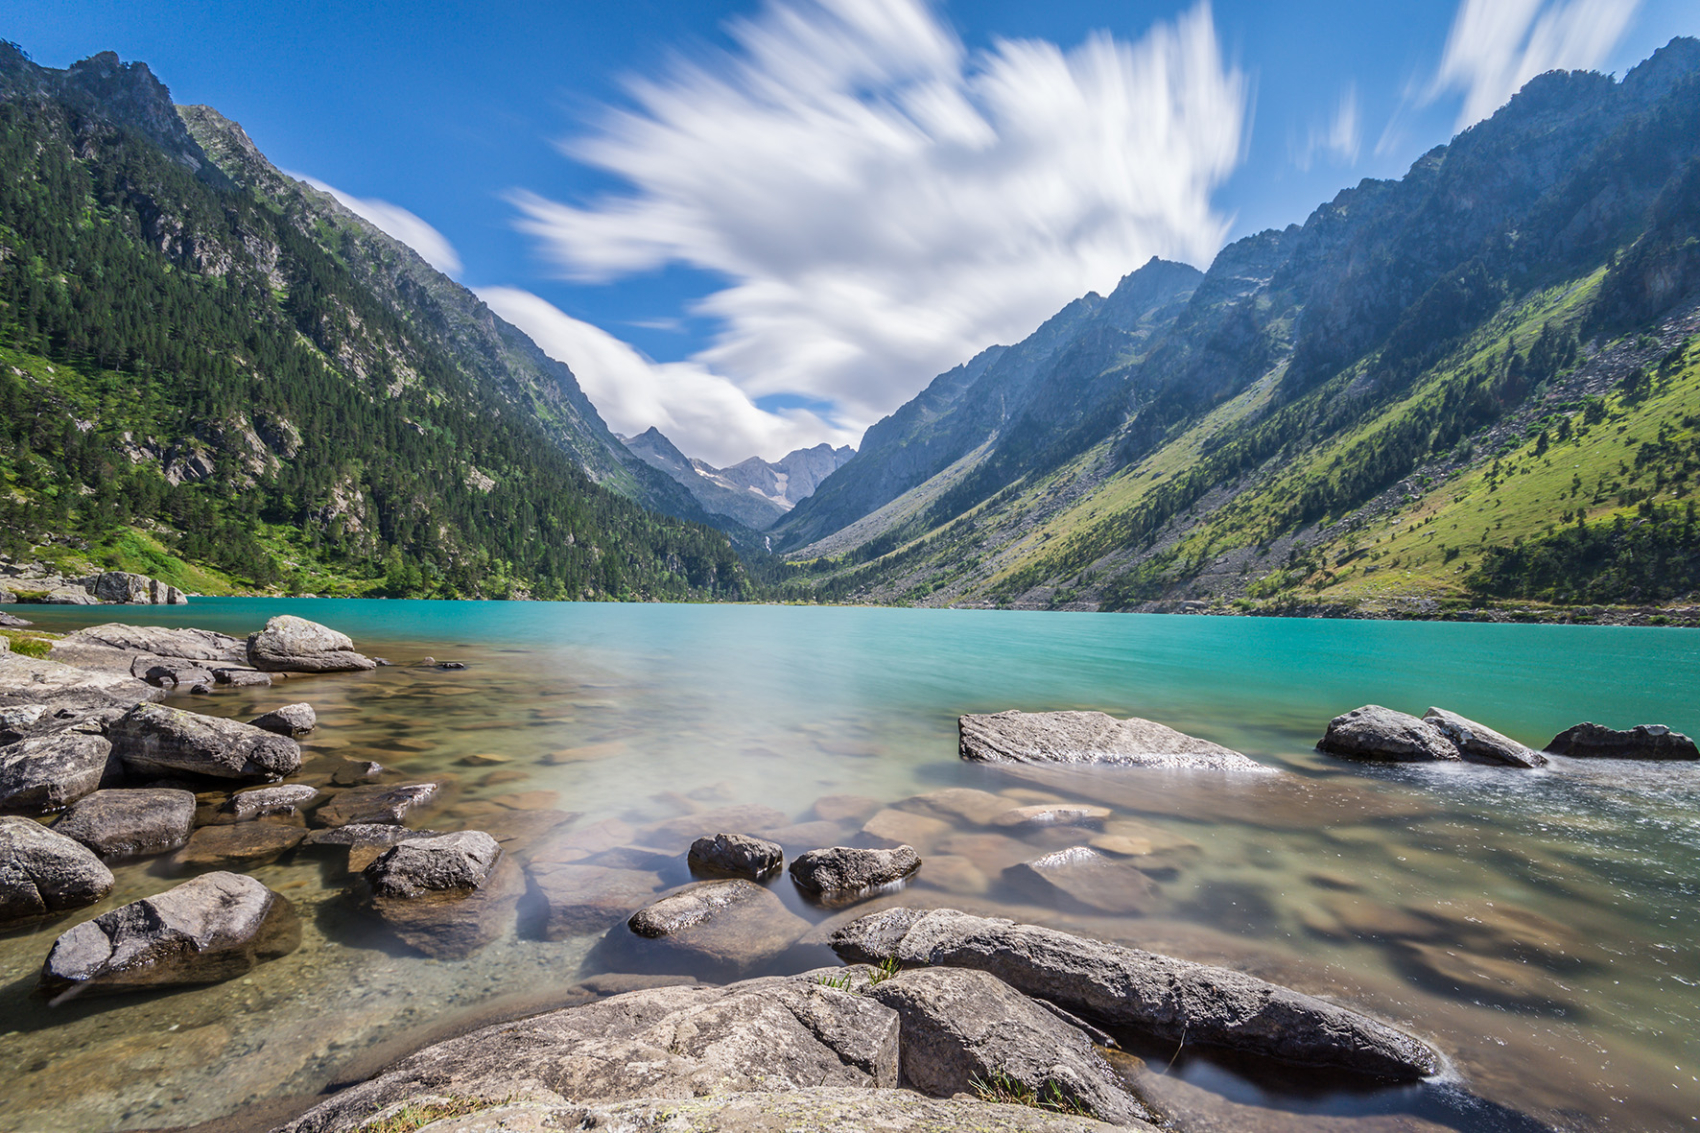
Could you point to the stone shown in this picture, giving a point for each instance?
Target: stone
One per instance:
(290, 644)
(42, 871)
(285, 800)
(206, 930)
(1091, 737)
(675, 835)
(583, 900)
(483, 759)
(724, 927)
(1170, 999)
(132, 823)
(1477, 978)
(1644, 741)
(290, 720)
(53, 771)
(845, 870)
(375, 804)
(244, 844)
(136, 589)
(70, 596)
(169, 672)
(845, 808)
(242, 678)
(673, 1043)
(451, 924)
(1377, 733)
(1479, 743)
(736, 855)
(1079, 878)
(356, 773)
(959, 804)
(433, 864)
(11, 621)
(962, 1029)
(116, 644)
(1052, 814)
(954, 873)
(152, 739)
(364, 841)
(891, 828)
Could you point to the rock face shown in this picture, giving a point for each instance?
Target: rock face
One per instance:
(417, 866)
(51, 772)
(662, 1043)
(1079, 878)
(728, 926)
(42, 871)
(206, 930)
(1377, 733)
(1159, 995)
(375, 804)
(1644, 741)
(290, 644)
(736, 855)
(136, 589)
(846, 870)
(1091, 737)
(962, 1029)
(131, 823)
(290, 720)
(1481, 744)
(154, 740)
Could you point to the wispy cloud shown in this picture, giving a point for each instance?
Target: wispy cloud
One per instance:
(1340, 139)
(1495, 46)
(405, 226)
(701, 412)
(884, 203)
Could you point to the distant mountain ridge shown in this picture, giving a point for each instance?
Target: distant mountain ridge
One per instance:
(754, 492)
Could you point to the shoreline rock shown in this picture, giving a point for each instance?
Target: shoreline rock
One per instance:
(1376, 733)
(1091, 737)
(154, 739)
(290, 644)
(1642, 742)
(43, 872)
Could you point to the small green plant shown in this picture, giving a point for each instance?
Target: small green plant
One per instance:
(841, 983)
(1003, 1089)
(29, 644)
(417, 1115)
(887, 969)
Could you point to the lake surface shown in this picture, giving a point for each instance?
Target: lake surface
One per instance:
(1538, 927)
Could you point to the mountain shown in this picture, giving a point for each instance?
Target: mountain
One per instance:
(215, 375)
(1476, 382)
(753, 492)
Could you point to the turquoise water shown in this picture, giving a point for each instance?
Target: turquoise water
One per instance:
(1537, 926)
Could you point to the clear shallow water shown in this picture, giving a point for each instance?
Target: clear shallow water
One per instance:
(1537, 926)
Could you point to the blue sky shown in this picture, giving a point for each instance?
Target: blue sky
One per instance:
(764, 224)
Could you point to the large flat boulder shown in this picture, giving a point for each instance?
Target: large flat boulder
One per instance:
(1383, 735)
(1644, 741)
(131, 823)
(1479, 743)
(241, 846)
(290, 644)
(116, 646)
(1160, 996)
(375, 804)
(963, 1029)
(36, 681)
(1091, 737)
(206, 930)
(42, 872)
(152, 739)
(675, 1043)
(51, 772)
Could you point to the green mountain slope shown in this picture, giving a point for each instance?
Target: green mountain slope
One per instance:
(213, 378)
(1324, 386)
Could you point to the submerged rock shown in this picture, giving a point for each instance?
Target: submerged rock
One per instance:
(290, 720)
(729, 925)
(206, 930)
(356, 773)
(1090, 737)
(42, 871)
(1053, 814)
(582, 900)
(290, 644)
(375, 804)
(1480, 744)
(1081, 878)
(152, 739)
(843, 870)
(364, 840)
(1162, 996)
(1644, 741)
(131, 823)
(285, 800)
(736, 855)
(244, 844)
(434, 864)
(453, 923)
(53, 771)
(1377, 733)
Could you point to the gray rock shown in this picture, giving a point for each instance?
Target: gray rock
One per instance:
(671, 1042)
(206, 930)
(1091, 737)
(375, 804)
(30, 680)
(119, 824)
(582, 900)
(42, 871)
(363, 841)
(1052, 814)
(290, 644)
(1159, 995)
(1377, 733)
(356, 773)
(725, 926)
(242, 678)
(53, 771)
(1079, 878)
(70, 596)
(285, 800)
(136, 589)
(963, 1029)
(417, 866)
(847, 870)
(1481, 744)
(11, 621)
(243, 845)
(736, 855)
(290, 720)
(450, 924)
(675, 835)
(168, 672)
(1644, 741)
(152, 739)
(115, 645)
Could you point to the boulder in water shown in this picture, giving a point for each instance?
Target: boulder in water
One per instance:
(844, 870)
(131, 823)
(1090, 737)
(736, 855)
(152, 739)
(290, 644)
(375, 804)
(1479, 743)
(414, 867)
(1644, 741)
(42, 872)
(290, 720)
(724, 926)
(1376, 733)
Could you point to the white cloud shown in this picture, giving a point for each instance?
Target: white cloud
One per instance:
(884, 203)
(700, 411)
(431, 245)
(1341, 139)
(1495, 46)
